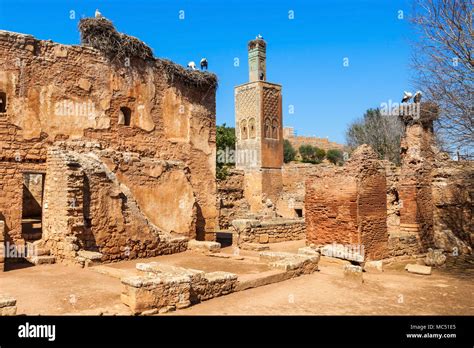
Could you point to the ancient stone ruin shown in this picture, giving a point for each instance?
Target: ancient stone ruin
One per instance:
(115, 158)
(347, 205)
(108, 154)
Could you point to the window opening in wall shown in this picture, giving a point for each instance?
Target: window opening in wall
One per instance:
(125, 116)
(3, 102)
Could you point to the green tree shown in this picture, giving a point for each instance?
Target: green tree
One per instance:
(319, 154)
(311, 154)
(335, 156)
(289, 152)
(382, 133)
(225, 146)
(225, 137)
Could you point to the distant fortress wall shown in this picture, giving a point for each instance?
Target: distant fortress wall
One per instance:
(297, 141)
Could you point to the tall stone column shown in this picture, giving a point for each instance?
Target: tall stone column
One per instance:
(417, 157)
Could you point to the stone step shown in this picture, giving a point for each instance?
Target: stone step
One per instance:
(34, 250)
(42, 260)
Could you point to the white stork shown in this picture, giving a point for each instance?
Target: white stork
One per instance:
(203, 63)
(192, 65)
(406, 97)
(417, 97)
(98, 14)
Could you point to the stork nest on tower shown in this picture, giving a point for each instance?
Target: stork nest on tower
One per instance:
(101, 34)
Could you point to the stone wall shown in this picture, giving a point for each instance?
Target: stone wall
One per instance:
(291, 200)
(87, 208)
(230, 196)
(417, 154)
(63, 93)
(348, 205)
(453, 206)
(161, 288)
(392, 173)
(322, 143)
(271, 231)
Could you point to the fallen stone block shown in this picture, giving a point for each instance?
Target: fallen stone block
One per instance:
(90, 255)
(42, 260)
(376, 266)
(435, 257)
(308, 251)
(353, 273)
(301, 264)
(254, 246)
(89, 258)
(203, 246)
(7, 305)
(418, 269)
(341, 251)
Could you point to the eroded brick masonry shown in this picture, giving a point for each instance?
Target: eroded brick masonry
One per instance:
(100, 156)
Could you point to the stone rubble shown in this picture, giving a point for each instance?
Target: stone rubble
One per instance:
(418, 269)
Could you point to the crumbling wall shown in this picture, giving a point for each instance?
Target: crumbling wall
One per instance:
(393, 200)
(348, 205)
(322, 143)
(417, 156)
(272, 231)
(62, 93)
(88, 208)
(230, 197)
(291, 199)
(453, 206)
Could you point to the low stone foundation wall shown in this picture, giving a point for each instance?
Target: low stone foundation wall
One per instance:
(404, 244)
(163, 287)
(299, 264)
(7, 305)
(274, 231)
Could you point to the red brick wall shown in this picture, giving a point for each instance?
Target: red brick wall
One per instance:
(348, 205)
(331, 209)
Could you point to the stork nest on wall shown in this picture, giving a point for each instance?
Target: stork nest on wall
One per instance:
(192, 77)
(100, 33)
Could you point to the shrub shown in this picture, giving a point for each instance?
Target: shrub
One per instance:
(335, 156)
(289, 152)
(311, 154)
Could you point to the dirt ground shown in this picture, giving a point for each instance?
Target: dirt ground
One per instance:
(58, 289)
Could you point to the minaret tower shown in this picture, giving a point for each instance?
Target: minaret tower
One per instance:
(257, 60)
(258, 128)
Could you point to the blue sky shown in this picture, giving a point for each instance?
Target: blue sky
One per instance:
(304, 54)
